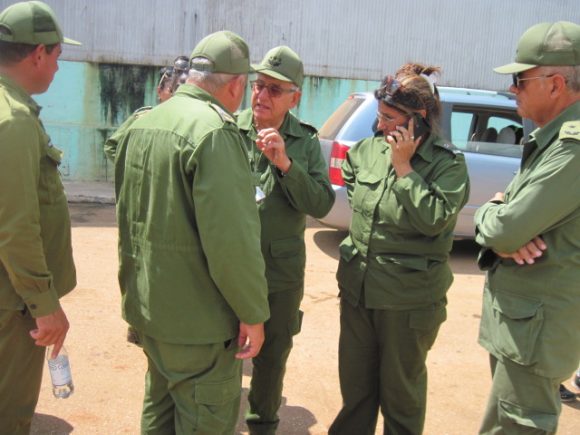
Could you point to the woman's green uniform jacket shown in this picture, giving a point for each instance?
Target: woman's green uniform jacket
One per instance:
(402, 228)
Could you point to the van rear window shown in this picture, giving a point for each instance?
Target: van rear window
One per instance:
(333, 124)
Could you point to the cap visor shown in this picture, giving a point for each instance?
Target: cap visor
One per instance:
(513, 68)
(269, 72)
(70, 41)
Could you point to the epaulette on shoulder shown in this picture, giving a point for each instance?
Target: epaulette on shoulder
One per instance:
(225, 116)
(307, 126)
(448, 147)
(570, 130)
(141, 111)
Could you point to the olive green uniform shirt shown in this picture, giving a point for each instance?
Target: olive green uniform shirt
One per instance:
(402, 228)
(189, 235)
(304, 190)
(530, 312)
(36, 263)
(112, 142)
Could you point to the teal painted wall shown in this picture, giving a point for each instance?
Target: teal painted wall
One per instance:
(87, 101)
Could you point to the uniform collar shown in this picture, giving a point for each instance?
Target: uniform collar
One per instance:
(19, 94)
(425, 150)
(198, 93)
(545, 135)
(290, 126)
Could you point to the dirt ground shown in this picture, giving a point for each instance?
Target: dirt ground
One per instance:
(108, 372)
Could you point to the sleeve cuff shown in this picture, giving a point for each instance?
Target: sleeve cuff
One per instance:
(292, 173)
(42, 304)
(404, 183)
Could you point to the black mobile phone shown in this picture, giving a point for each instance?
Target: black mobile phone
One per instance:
(420, 125)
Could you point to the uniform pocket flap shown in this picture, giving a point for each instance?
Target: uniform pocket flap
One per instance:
(528, 417)
(54, 154)
(286, 247)
(367, 177)
(347, 249)
(412, 262)
(217, 393)
(515, 307)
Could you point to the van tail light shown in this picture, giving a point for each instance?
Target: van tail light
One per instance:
(337, 156)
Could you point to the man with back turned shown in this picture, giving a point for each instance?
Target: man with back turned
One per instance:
(191, 272)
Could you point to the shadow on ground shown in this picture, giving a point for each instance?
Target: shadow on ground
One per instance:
(43, 424)
(293, 419)
(328, 241)
(93, 215)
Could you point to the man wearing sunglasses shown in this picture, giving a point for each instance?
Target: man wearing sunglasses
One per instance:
(291, 181)
(530, 238)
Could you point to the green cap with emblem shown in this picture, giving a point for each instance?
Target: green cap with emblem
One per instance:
(546, 44)
(32, 23)
(227, 52)
(284, 64)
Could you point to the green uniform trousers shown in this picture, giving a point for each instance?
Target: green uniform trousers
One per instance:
(381, 359)
(520, 401)
(269, 366)
(21, 362)
(191, 389)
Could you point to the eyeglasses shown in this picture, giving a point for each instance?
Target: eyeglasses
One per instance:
(383, 117)
(516, 79)
(274, 91)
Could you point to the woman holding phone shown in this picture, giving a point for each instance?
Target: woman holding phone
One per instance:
(406, 187)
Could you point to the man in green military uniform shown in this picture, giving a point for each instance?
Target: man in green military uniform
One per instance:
(191, 272)
(531, 239)
(36, 264)
(291, 182)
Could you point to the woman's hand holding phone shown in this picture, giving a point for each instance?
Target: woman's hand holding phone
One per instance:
(403, 147)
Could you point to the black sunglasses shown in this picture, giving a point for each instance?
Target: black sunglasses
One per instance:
(516, 79)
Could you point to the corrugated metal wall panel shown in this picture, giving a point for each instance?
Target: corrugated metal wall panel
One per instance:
(351, 39)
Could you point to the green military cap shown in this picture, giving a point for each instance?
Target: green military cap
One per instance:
(546, 44)
(282, 63)
(33, 23)
(227, 52)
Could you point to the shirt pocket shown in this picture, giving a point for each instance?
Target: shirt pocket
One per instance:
(517, 323)
(367, 192)
(408, 272)
(50, 185)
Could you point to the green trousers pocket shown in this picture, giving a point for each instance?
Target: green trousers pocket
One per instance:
(517, 323)
(217, 393)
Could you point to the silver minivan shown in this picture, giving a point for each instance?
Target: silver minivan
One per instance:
(484, 125)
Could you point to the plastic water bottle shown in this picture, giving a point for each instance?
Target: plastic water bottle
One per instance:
(60, 374)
